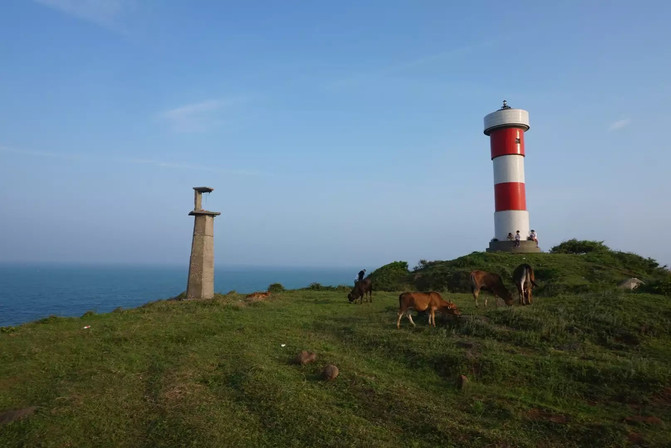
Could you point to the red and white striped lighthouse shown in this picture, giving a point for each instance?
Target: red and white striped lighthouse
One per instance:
(506, 128)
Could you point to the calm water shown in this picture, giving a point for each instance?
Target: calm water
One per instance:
(31, 292)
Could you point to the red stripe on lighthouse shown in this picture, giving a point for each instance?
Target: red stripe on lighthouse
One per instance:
(510, 196)
(507, 141)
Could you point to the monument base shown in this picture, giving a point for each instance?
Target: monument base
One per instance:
(525, 247)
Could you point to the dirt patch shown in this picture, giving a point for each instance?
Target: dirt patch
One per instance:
(647, 420)
(663, 398)
(305, 357)
(541, 415)
(635, 438)
(16, 414)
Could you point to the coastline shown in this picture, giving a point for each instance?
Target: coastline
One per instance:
(32, 291)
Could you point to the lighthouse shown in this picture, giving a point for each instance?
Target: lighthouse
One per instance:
(505, 128)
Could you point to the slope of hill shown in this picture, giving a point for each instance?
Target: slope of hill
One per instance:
(572, 370)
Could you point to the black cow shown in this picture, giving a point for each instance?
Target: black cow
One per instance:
(359, 291)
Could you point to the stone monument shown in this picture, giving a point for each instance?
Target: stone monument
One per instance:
(201, 264)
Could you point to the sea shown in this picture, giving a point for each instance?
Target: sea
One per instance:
(30, 292)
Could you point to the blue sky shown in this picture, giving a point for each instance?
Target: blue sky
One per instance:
(340, 133)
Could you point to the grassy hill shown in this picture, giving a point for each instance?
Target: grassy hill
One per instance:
(572, 267)
(574, 369)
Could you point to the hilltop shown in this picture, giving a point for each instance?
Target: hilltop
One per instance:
(571, 267)
(582, 366)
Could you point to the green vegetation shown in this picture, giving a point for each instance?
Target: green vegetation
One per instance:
(276, 287)
(573, 267)
(392, 277)
(591, 368)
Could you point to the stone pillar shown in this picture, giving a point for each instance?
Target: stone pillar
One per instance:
(201, 265)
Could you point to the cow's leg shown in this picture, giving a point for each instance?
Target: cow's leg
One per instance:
(398, 321)
(432, 317)
(476, 293)
(410, 318)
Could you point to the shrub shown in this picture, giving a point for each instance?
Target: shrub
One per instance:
(391, 277)
(577, 247)
(276, 287)
(657, 287)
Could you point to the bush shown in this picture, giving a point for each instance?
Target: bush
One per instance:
(391, 277)
(276, 287)
(319, 287)
(577, 247)
(657, 287)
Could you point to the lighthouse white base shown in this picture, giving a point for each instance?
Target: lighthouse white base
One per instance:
(510, 221)
(525, 247)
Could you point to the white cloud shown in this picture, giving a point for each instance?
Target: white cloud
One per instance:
(133, 161)
(101, 12)
(189, 166)
(619, 124)
(435, 58)
(29, 152)
(198, 117)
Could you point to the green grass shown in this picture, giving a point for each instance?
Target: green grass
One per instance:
(570, 370)
(558, 273)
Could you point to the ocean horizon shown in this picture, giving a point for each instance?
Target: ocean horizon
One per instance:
(32, 291)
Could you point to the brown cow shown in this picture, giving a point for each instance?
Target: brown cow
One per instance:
(422, 301)
(258, 295)
(523, 277)
(360, 290)
(492, 283)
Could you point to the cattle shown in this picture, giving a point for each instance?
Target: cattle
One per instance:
(492, 283)
(423, 301)
(360, 290)
(258, 295)
(631, 284)
(523, 277)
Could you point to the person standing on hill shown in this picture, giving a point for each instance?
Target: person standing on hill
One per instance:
(518, 237)
(361, 274)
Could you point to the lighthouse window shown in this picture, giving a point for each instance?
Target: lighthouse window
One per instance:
(517, 140)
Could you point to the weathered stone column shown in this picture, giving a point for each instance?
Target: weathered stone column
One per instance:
(201, 265)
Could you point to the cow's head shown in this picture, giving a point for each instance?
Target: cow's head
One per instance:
(507, 297)
(452, 309)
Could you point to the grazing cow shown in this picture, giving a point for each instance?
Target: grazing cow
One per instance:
(360, 290)
(523, 277)
(422, 301)
(631, 284)
(258, 295)
(492, 283)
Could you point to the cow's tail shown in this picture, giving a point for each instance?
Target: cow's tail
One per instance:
(532, 277)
